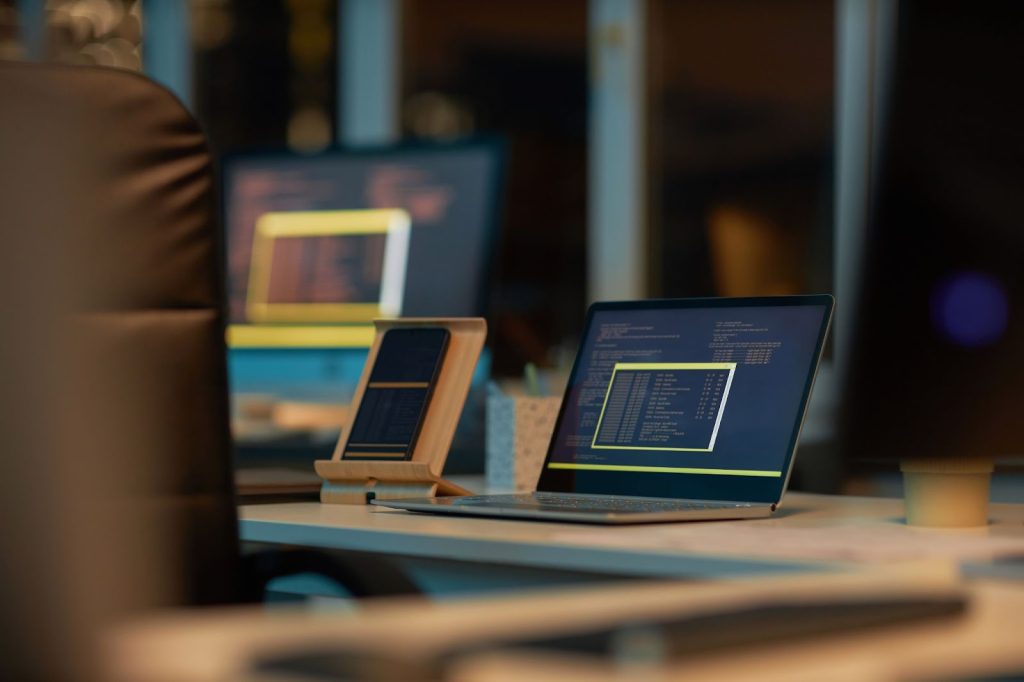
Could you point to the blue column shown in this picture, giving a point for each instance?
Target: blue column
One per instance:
(369, 49)
(32, 28)
(616, 221)
(865, 36)
(167, 47)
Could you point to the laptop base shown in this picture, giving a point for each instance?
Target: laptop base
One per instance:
(578, 508)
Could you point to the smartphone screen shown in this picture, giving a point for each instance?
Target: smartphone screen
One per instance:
(397, 394)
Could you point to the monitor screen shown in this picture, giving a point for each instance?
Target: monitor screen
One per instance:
(334, 266)
(685, 395)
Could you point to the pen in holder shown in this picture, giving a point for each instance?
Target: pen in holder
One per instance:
(518, 433)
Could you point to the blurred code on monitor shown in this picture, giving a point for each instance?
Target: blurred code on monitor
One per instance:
(448, 192)
(327, 269)
(327, 266)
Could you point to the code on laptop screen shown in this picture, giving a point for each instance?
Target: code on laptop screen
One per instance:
(715, 391)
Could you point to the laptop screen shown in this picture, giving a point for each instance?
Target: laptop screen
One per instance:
(699, 398)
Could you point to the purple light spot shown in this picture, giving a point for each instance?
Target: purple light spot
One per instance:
(970, 309)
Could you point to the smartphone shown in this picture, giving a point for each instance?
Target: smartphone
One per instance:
(397, 394)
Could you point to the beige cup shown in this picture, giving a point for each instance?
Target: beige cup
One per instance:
(947, 493)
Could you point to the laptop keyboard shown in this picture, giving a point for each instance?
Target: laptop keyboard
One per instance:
(601, 505)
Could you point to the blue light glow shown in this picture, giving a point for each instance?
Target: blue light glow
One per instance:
(970, 309)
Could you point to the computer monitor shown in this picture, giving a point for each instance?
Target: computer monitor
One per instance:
(937, 363)
(315, 242)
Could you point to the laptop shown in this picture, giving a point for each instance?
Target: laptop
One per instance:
(675, 410)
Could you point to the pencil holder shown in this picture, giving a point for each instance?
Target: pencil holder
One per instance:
(518, 433)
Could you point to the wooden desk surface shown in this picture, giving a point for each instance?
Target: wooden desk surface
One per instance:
(220, 645)
(810, 532)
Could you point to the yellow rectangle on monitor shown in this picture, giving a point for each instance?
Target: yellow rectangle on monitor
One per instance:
(299, 336)
(275, 226)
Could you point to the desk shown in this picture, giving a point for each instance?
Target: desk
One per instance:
(219, 645)
(451, 555)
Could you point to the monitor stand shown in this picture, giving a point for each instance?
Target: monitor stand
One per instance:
(949, 493)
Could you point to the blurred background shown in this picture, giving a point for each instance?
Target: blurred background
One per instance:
(584, 150)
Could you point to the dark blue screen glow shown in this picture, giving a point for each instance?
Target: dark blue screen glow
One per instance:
(970, 309)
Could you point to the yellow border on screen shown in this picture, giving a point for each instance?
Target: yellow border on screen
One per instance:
(634, 366)
(283, 225)
(299, 336)
(667, 470)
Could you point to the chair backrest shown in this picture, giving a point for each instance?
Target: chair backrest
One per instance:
(113, 406)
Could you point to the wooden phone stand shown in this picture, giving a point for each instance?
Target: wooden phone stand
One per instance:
(358, 481)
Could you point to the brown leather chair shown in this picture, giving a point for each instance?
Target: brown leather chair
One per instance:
(114, 403)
